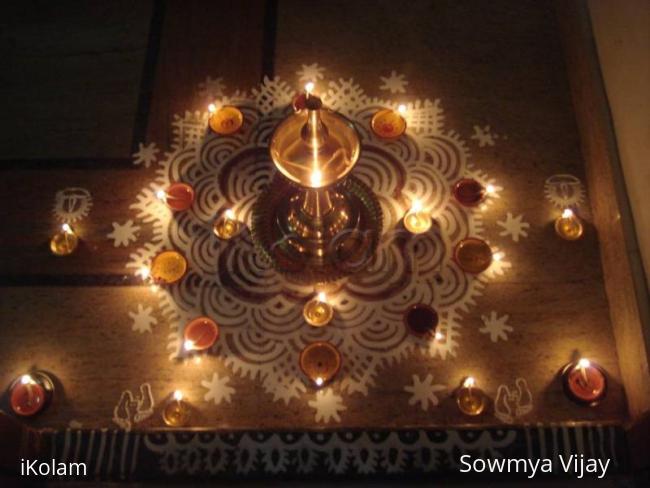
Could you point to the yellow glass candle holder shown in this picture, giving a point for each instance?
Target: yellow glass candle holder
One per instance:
(225, 120)
(64, 242)
(317, 312)
(177, 412)
(568, 226)
(388, 123)
(470, 400)
(417, 220)
(226, 226)
(168, 267)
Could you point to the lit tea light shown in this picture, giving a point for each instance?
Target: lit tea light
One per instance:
(320, 362)
(389, 124)
(469, 192)
(176, 412)
(584, 382)
(438, 336)
(200, 334)
(498, 256)
(300, 99)
(168, 267)
(178, 197)
(473, 255)
(226, 226)
(317, 311)
(64, 242)
(417, 220)
(226, 120)
(568, 226)
(421, 320)
(316, 178)
(470, 400)
(31, 393)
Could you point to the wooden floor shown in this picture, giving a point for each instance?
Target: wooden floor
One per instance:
(83, 86)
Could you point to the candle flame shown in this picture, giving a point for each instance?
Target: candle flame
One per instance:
(26, 379)
(401, 109)
(498, 256)
(316, 177)
(66, 228)
(161, 195)
(322, 297)
(154, 288)
(319, 381)
(212, 108)
(469, 382)
(188, 345)
(178, 395)
(439, 336)
(309, 87)
(416, 206)
(229, 214)
(144, 271)
(567, 213)
(584, 363)
(490, 189)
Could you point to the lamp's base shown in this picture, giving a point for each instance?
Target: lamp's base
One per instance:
(329, 256)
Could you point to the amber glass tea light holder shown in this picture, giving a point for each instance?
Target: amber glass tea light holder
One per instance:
(167, 268)
(584, 382)
(469, 398)
(225, 120)
(64, 242)
(226, 226)
(417, 220)
(176, 412)
(320, 362)
(31, 393)
(317, 311)
(389, 123)
(569, 226)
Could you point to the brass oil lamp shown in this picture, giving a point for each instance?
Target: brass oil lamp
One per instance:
(315, 222)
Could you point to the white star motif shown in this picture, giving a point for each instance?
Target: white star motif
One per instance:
(424, 391)
(513, 226)
(484, 136)
(123, 233)
(328, 405)
(142, 319)
(496, 326)
(218, 389)
(211, 88)
(145, 155)
(310, 72)
(394, 83)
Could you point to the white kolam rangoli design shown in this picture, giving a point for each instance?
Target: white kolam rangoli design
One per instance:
(72, 204)
(258, 310)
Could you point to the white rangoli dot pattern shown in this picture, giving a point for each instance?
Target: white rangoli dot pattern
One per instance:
(258, 310)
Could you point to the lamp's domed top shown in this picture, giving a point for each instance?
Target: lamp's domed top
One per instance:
(315, 147)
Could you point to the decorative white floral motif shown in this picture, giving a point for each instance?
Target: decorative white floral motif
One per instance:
(72, 204)
(310, 72)
(211, 88)
(564, 191)
(424, 391)
(484, 136)
(124, 233)
(273, 94)
(145, 155)
(218, 389)
(394, 83)
(142, 319)
(514, 227)
(514, 402)
(132, 409)
(328, 405)
(496, 326)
